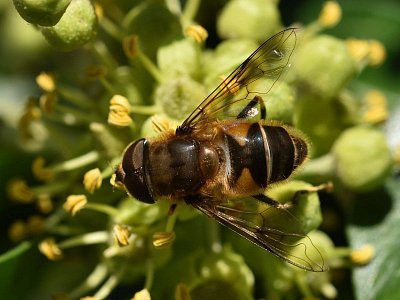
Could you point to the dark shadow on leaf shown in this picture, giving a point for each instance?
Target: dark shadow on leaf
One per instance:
(371, 208)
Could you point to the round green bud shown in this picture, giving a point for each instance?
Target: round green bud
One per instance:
(320, 248)
(224, 273)
(179, 96)
(256, 19)
(41, 12)
(324, 66)
(304, 206)
(178, 58)
(362, 158)
(76, 27)
(321, 121)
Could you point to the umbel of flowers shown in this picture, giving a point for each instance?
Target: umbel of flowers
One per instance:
(148, 69)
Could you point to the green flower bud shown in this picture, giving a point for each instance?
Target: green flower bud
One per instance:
(76, 27)
(320, 241)
(320, 249)
(224, 275)
(256, 19)
(132, 212)
(179, 96)
(324, 66)
(41, 12)
(178, 58)
(321, 121)
(306, 208)
(363, 158)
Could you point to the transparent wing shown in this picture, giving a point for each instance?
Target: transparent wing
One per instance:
(274, 229)
(269, 62)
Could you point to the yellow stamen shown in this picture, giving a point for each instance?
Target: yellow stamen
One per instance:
(363, 255)
(129, 44)
(358, 49)
(162, 239)
(377, 53)
(162, 124)
(44, 203)
(120, 109)
(330, 15)
(17, 231)
(182, 292)
(376, 107)
(75, 203)
(92, 180)
(117, 184)
(39, 170)
(19, 191)
(196, 32)
(142, 295)
(121, 235)
(30, 114)
(47, 101)
(46, 82)
(95, 72)
(98, 10)
(50, 249)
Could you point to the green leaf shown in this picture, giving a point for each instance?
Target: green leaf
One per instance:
(375, 221)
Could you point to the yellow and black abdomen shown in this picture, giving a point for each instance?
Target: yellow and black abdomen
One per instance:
(261, 154)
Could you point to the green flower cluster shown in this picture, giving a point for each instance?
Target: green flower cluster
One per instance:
(148, 69)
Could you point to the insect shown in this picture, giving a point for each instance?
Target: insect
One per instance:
(221, 163)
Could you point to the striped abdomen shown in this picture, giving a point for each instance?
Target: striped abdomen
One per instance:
(261, 154)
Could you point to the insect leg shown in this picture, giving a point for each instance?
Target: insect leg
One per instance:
(171, 209)
(248, 110)
(270, 201)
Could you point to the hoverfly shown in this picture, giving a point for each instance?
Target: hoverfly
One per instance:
(221, 164)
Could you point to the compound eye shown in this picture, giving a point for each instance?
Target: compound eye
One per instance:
(135, 177)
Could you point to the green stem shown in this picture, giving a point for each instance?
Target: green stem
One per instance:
(214, 236)
(133, 13)
(97, 237)
(189, 12)
(51, 188)
(108, 286)
(74, 96)
(76, 163)
(91, 282)
(302, 284)
(111, 28)
(149, 274)
(108, 86)
(78, 114)
(174, 7)
(102, 52)
(104, 208)
(150, 66)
